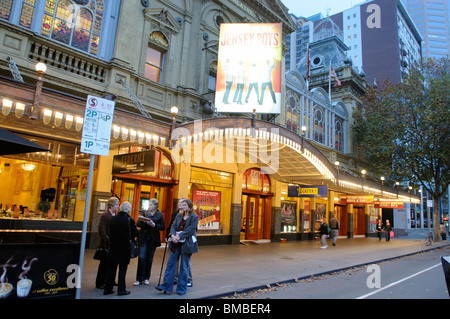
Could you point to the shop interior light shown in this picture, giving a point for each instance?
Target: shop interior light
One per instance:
(20, 109)
(47, 116)
(6, 106)
(58, 118)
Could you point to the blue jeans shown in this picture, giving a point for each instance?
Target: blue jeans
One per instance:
(169, 274)
(145, 261)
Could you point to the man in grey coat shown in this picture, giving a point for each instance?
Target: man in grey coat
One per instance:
(334, 225)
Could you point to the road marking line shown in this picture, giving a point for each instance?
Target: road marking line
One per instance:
(397, 282)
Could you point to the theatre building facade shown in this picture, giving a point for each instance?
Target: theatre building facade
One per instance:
(251, 177)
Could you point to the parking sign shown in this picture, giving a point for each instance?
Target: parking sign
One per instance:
(97, 124)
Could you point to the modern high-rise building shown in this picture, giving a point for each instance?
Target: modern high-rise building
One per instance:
(382, 39)
(432, 19)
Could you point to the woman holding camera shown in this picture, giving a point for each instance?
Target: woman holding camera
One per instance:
(183, 242)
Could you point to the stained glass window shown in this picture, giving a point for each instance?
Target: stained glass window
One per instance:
(74, 22)
(292, 112)
(26, 16)
(339, 135)
(319, 125)
(5, 9)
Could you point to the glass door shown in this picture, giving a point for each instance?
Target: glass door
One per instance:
(253, 212)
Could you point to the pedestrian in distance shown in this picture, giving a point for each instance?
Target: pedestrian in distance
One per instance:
(177, 267)
(104, 240)
(150, 224)
(443, 231)
(324, 232)
(122, 226)
(334, 225)
(183, 241)
(387, 230)
(379, 229)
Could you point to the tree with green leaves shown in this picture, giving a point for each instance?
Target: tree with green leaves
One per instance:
(403, 130)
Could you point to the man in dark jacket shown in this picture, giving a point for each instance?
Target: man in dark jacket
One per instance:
(122, 229)
(103, 242)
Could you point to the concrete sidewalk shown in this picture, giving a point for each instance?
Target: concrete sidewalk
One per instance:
(221, 270)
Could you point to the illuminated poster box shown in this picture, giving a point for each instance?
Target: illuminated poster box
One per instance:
(249, 68)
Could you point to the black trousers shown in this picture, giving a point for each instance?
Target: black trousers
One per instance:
(111, 274)
(100, 280)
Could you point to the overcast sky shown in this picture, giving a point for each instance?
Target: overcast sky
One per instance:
(307, 8)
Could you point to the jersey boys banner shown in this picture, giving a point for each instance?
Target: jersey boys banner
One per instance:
(249, 68)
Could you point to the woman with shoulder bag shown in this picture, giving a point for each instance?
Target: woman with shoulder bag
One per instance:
(121, 226)
(151, 223)
(183, 241)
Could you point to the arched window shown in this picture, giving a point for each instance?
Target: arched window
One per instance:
(74, 22)
(339, 135)
(319, 125)
(292, 112)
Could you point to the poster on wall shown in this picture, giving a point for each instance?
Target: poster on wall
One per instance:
(207, 207)
(249, 68)
(288, 216)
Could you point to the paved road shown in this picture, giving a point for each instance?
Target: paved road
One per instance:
(418, 276)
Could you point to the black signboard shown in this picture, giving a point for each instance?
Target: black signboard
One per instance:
(38, 270)
(139, 162)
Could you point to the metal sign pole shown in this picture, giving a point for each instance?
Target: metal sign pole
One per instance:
(84, 231)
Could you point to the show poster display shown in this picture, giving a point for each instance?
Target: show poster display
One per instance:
(249, 68)
(207, 207)
(38, 270)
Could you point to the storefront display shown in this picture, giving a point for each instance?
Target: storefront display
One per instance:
(44, 185)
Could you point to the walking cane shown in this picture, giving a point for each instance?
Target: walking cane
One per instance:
(162, 264)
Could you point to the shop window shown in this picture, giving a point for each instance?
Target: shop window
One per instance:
(211, 193)
(44, 185)
(254, 180)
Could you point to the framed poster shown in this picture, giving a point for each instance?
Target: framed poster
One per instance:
(207, 207)
(288, 216)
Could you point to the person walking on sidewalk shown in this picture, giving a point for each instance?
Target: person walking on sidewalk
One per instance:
(379, 229)
(334, 225)
(387, 230)
(183, 241)
(324, 232)
(151, 223)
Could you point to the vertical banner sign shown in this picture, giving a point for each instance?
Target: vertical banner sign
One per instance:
(97, 124)
(249, 68)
